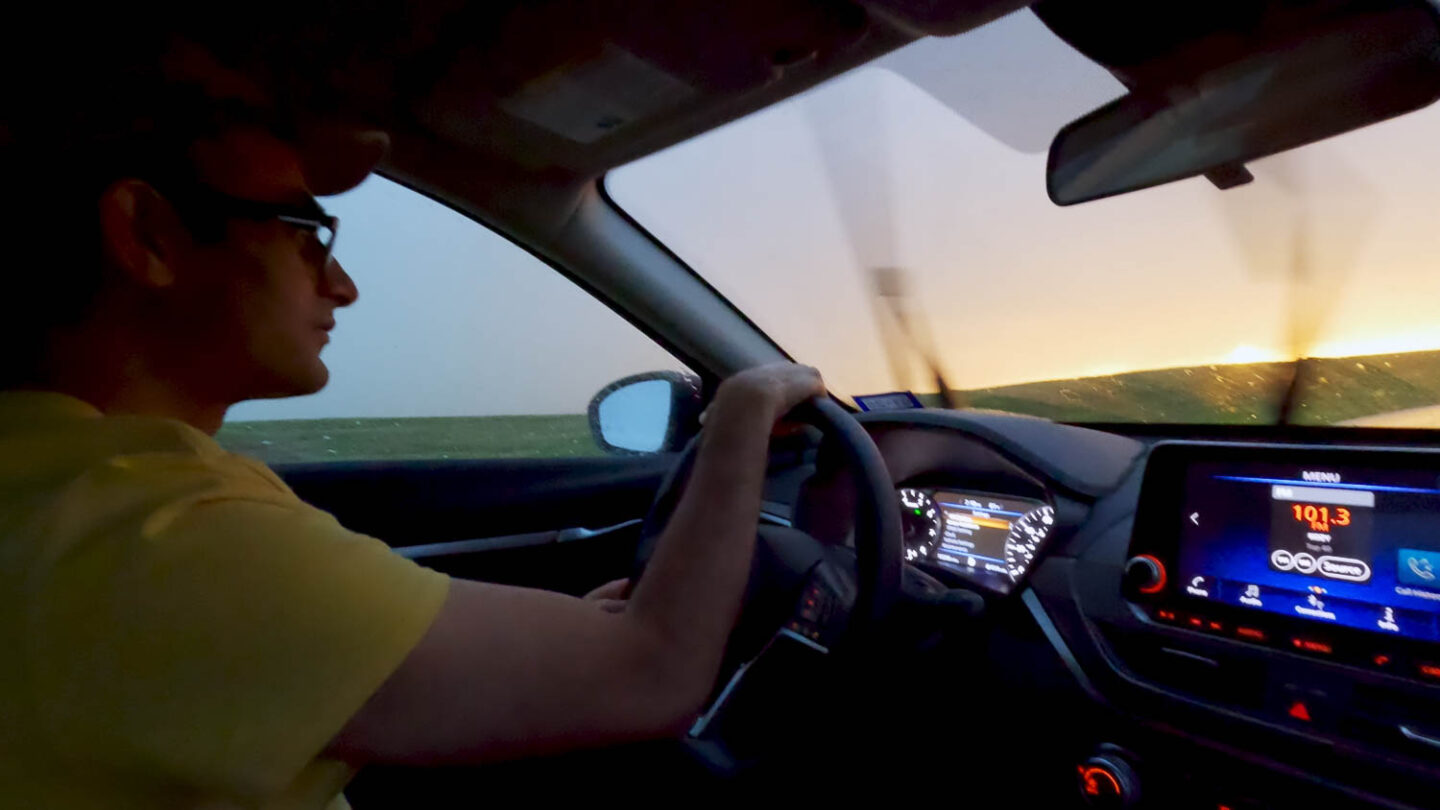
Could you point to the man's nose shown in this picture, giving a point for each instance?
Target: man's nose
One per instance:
(338, 284)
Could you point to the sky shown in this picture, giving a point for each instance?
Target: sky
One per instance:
(893, 165)
(930, 160)
(454, 320)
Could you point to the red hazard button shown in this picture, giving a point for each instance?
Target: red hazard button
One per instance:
(1311, 704)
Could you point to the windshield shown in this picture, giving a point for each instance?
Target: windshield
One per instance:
(893, 223)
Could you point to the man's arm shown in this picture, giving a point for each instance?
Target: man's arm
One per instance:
(506, 672)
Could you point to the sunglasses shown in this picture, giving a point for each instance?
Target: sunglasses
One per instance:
(307, 216)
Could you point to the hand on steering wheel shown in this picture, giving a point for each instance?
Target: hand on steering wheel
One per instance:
(857, 589)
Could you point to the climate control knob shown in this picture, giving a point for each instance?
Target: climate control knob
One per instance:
(1145, 574)
(1107, 780)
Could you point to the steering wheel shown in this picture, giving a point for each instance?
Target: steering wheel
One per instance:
(825, 596)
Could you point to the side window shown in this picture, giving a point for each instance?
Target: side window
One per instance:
(461, 345)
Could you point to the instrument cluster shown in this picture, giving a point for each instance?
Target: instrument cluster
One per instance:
(993, 540)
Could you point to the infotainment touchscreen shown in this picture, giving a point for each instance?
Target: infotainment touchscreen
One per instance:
(1339, 545)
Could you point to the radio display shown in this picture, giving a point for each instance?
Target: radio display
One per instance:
(1339, 545)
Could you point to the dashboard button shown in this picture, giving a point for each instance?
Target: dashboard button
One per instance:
(1201, 587)
(1418, 567)
(1282, 560)
(1308, 705)
(1305, 563)
(1098, 784)
(1108, 781)
(1250, 633)
(1145, 574)
(1312, 645)
(1188, 662)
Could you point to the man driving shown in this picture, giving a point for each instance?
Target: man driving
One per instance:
(182, 630)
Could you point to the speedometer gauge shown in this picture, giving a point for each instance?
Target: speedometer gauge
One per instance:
(920, 521)
(1026, 536)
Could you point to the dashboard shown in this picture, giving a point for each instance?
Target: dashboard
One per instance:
(1187, 621)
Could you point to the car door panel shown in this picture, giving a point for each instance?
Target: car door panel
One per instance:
(561, 524)
(569, 561)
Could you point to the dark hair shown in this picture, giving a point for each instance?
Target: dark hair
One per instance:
(82, 110)
(52, 262)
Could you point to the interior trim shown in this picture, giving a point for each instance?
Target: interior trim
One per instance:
(508, 541)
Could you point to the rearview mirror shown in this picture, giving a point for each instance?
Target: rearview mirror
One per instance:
(654, 412)
(1321, 84)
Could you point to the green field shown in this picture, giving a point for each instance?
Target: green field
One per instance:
(1334, 389)
(297, 440)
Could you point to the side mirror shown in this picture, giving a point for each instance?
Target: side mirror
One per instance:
(654, 412)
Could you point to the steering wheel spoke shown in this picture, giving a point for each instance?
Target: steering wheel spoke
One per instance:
(805, 598)
(822, 612)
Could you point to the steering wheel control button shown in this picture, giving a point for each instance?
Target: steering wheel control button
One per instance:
(1108, 781)
(816, 612)
(1145, 574)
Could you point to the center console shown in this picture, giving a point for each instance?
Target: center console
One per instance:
(1293, 587)
(1328, 553)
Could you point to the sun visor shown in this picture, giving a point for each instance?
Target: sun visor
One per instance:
(337, 158)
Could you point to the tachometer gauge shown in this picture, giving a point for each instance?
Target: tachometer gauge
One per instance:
(920, 522)
(1027, 534)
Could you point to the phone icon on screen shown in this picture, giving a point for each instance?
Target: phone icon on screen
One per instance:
(1418, 567)
(1421, 567)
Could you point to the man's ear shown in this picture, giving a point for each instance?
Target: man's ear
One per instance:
(141, 233)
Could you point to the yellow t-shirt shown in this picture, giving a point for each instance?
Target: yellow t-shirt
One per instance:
(178, 629)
